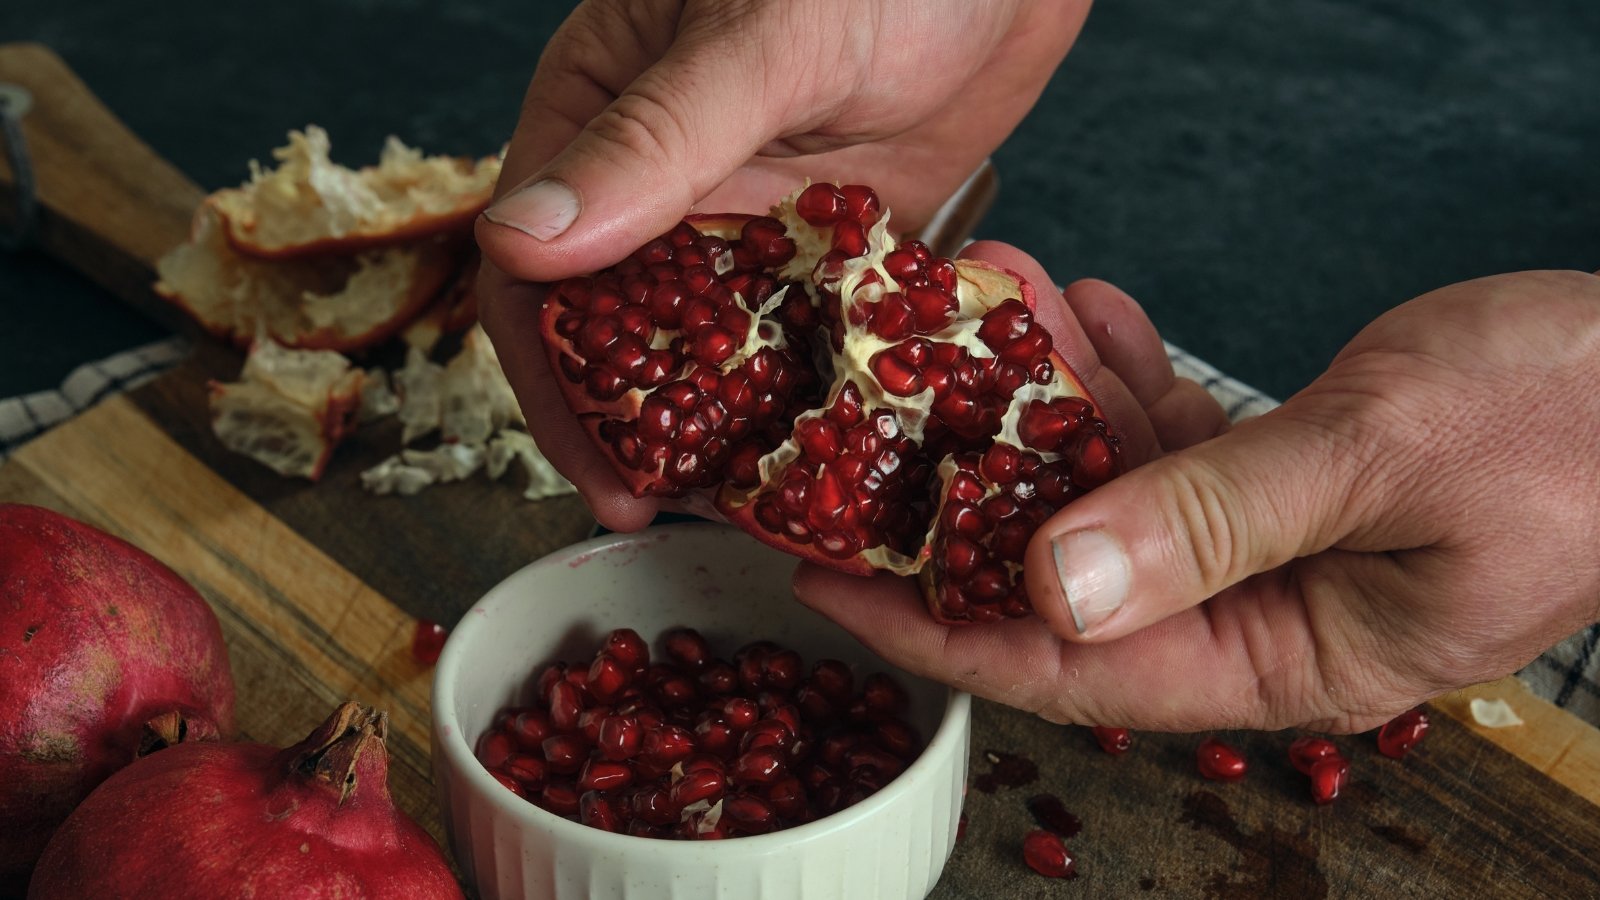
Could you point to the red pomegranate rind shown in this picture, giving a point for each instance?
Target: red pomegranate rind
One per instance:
(828, 385)
(312, 820)
(104, 653)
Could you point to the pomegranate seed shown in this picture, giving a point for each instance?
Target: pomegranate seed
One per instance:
(1115, 741)
(714, 736)
(548, 677)
(719, 679)
(883, 695)
(861, 203)
(565, 706)
(700, 785)
(629, 649)
(687, 647)
(1399, 735)
(1307, 751)
(620, 737)
(427, 641)
(604, 775)
(607, 677)
(833, 679)
(749, 814)
(740, 713)
(527, 769)
(508, 782)
(653, 805)
(559, 797)
(1327, 779)
(850, 239)
(760, 765)
(934, 308)
(667, 745)
(494, 748)
(821, 205)
(596, 811)
(1046, 854)
(565, 753)
(899, 738)
(1219, 762)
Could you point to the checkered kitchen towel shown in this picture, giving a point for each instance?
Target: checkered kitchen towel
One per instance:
(1568, 675)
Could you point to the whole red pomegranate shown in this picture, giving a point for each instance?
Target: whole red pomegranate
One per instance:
(105, 655)
(248, 820)
(842, 396)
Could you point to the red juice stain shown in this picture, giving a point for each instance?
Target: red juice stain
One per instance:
(1051, 815)
(1006, 770)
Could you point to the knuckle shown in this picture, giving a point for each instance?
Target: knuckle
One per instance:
(641, 125)
(1212, 531)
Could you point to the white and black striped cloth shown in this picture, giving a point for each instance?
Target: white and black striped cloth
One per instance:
(1568, 675)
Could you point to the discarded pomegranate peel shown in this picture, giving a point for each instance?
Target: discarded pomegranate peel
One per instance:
(839, 395)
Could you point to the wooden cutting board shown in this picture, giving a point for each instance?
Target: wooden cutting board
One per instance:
(318, 587)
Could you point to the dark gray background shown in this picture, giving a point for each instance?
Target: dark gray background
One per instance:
(1266, 176)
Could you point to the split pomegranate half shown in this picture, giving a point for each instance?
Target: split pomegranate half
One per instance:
(838, 394)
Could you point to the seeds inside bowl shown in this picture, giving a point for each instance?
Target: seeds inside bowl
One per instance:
(696, 747)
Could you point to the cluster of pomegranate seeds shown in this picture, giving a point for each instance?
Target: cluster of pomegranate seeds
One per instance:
(1218, 761)
(427, 641)
(1318, 759)
(1115, 741)
(697, 747)
(1400, 734)
(843, 396)
(1045, 853)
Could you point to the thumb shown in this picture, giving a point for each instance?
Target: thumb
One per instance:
(1170, 534)
(638, 166)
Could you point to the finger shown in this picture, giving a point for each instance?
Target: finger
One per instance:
(1248, 662)
(673, 133)
(1181, 412)
(1186, 415)
(1122, 336)
(509, 311)
(1117, 404)
(1166, 536)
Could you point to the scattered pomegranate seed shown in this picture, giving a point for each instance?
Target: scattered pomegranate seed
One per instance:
(626, 745)
(1115, 741)
(1396, 738)
(1046, 854)
(1307, 751)
(1219, 762)
(427, 641)
(1327, 779)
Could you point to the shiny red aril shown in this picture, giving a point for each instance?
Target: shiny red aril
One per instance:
(1115, 741)
(704, 784)
(823, 423)
(1307, 751)
(1218, 761)
(1400, 734)
(687, 648)
(608, 677)
(626, 647)
(595, 811)
(620, 737)
(1046, 854)
(565, 753)
(1328, 777)
(566, 704)
(427, 640)
(604, 775)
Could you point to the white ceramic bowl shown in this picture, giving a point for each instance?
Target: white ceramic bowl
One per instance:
(733, 590)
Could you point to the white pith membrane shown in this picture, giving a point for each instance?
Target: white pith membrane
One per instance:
(979, 288)
(469, 402)
(308, 201)
(1494, 713)
(289, 408)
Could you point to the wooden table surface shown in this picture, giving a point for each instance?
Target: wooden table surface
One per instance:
(318, 587)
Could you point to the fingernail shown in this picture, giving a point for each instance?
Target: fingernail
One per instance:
(1094, 574)
(543, 210)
